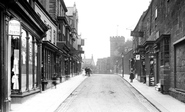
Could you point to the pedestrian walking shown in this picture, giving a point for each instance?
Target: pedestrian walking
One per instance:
(87, 71)
(131, 76)
(54, 79)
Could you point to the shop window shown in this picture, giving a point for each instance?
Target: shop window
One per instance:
(15, 63)
(24, 55)
(30, 61)
(35, 70)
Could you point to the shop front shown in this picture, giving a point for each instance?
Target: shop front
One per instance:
(50, 64)
(78, 65)
(142, 64)
(65, 60)
(163, 61)
(149, 63)
(67, 64)
(72, 67)
(139, 64)
(75, 61)
(162, 69)
(75, 65)
(21, 35)
(24, 65)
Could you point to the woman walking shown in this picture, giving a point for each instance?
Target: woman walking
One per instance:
(131, 76)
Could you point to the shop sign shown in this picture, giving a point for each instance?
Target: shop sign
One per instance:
(152, 81)
(137, 33)
(14, 27)
(137, 57)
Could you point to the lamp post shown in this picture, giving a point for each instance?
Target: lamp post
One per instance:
(122, 65)
(116, 67)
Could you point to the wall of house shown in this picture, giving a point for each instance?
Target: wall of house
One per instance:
(167, 17)
(176, 26)
(52, 32)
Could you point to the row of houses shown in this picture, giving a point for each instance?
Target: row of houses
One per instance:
(158, 47)
(38, 41)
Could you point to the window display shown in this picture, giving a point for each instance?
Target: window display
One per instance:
(23, 62)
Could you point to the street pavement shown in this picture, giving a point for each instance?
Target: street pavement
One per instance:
(50, 100)
(165, 103)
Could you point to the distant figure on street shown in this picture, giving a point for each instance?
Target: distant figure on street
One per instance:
(131, 76)
(54, 78)
(87, 71)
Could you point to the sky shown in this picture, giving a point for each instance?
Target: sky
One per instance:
(101, 19)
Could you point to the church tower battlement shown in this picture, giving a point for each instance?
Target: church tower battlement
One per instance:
(117, 38)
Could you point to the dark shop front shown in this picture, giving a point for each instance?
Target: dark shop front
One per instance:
(51, 64)
(21, 48)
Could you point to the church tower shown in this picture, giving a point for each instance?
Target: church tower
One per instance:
(115, 43)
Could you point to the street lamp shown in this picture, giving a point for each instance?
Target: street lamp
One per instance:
(116, 67)
(122, 65)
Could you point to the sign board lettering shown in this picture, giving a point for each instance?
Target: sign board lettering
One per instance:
(14, 27)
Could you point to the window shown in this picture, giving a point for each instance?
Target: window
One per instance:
(15, 46)
(54, 37)
(30, 61)
(59, 37)
(64, 31)
(50, 32)
(156, 13)
(24, 55)
(164, 51)
(35, 71)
